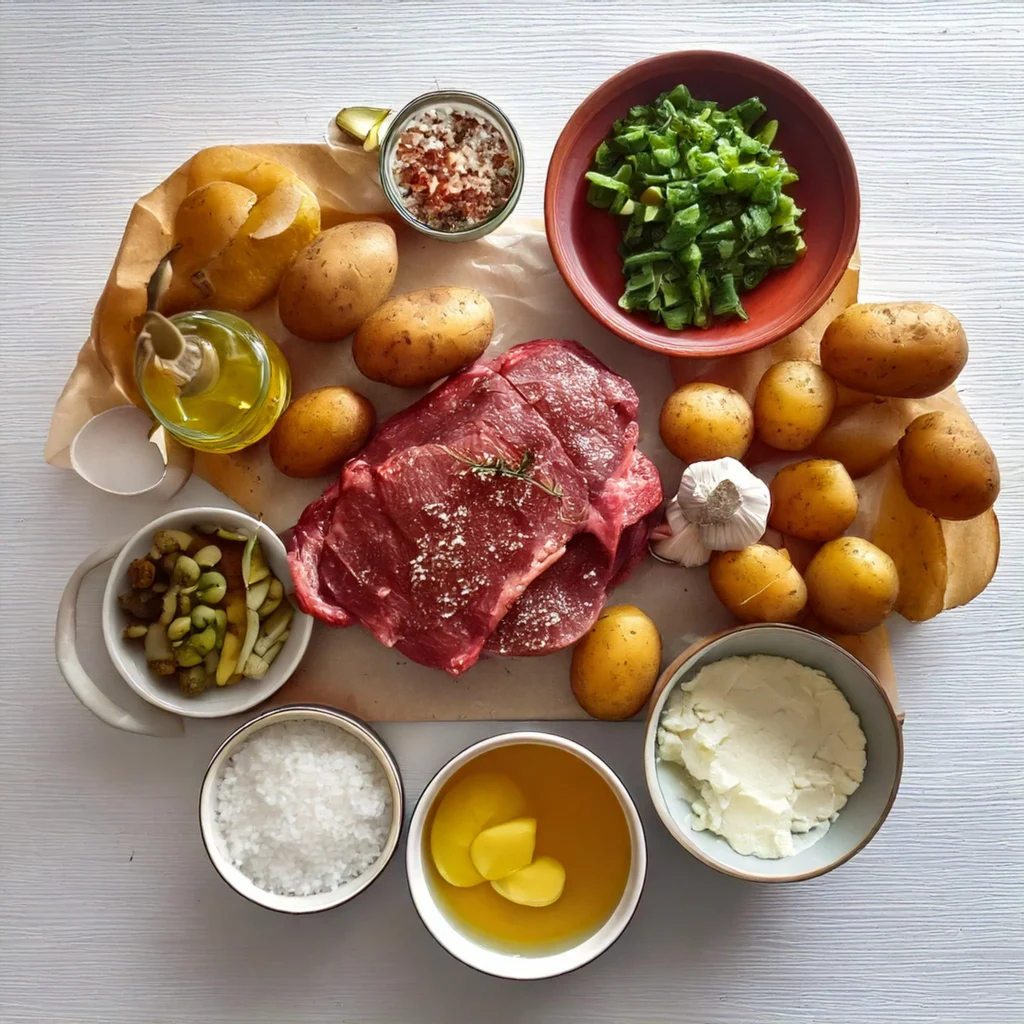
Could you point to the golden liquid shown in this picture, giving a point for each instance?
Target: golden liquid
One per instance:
(579, 821)
(251, 390)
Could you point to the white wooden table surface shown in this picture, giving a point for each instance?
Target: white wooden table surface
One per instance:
(109, 911)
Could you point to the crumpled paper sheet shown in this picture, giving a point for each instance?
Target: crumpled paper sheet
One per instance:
(513, 267)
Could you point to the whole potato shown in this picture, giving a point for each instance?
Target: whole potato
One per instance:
(416, 339)
(900, 350)
(616, 663)
(814, 500)
(758, 584)
(794, 401)
(702, 421)
(851, 585)
(320, 430)
(947, 467)
(338, 280)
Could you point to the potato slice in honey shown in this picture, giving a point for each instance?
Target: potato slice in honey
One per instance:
(537, 885)
(502, 849)
(473, 804)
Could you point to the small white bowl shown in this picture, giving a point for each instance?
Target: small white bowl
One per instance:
(863, 813)
(129, 656)
(456, 938)
(213, 840)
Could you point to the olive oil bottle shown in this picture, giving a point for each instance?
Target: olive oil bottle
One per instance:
(211, 378)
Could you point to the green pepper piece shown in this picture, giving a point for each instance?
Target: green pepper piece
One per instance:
(747, 112)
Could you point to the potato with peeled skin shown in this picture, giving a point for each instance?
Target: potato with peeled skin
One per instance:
(900, 349)
(947, 467)
(320, 430)
(702, 421)
(758, 584)
(338, 280)
(852, 585)
(206, 221)
(616, 663)
(794, 401)
(413, 340)
(238, 235)
(814, 500)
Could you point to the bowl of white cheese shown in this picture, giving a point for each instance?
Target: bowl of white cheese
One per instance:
(771, 753)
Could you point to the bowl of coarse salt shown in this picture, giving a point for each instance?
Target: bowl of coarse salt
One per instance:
(301, 808)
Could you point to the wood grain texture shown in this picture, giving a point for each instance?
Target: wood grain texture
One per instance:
(108, 909)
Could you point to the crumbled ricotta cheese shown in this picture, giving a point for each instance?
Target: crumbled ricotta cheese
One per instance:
(770, 748)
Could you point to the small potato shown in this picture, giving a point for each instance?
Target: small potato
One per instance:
(758, 584)
(947, 467)
(338, 280)
(814, 500)
(794, 401)
(320, 430)
(416, 339)
(852, 585)
(616, 663)
(702, 421)
(900, 350)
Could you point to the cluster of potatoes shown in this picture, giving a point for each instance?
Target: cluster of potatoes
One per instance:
(249, 228)
(339, 284)
(850, 585)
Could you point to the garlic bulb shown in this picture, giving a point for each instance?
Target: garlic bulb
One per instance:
(677, 540)
(728, 502)
(720, 506)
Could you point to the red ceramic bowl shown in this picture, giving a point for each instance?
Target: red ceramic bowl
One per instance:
(584, 239)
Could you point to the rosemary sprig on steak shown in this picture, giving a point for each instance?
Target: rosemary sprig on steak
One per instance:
(490, 466)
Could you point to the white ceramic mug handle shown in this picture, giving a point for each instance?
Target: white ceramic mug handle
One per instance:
(149, 721)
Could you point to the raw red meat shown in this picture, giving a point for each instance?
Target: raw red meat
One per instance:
(430, 553)
(563, 603)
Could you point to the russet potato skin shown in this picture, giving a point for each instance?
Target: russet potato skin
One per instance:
(320, 430)
(413, 340)
(794, 401)
(616, 663)
(814, 500)
(947, 467)
(899, 350)
(852, 585)
(701, 421)
(758, 584)
(338, 280)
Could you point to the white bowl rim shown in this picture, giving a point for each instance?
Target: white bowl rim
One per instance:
(681, 835)
(510, 965)
(315, 713)
(301, 629)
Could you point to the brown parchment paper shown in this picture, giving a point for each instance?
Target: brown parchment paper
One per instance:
(513, 267)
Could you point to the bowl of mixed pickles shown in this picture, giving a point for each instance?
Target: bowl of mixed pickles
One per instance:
(701, 204)
(197, 613)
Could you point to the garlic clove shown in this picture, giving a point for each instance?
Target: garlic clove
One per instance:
(678, 540)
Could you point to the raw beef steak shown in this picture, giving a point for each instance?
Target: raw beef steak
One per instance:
(466, 504)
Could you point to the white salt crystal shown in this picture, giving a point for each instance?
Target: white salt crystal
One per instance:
(303, 807)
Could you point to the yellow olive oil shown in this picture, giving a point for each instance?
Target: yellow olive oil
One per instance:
(579, 822)
(247, 392)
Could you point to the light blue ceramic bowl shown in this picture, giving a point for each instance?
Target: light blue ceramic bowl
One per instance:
(866, 809)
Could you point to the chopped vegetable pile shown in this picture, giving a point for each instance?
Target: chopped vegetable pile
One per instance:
(702, 201)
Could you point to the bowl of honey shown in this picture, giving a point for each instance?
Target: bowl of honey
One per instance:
(526, 856)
